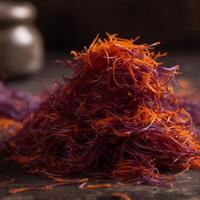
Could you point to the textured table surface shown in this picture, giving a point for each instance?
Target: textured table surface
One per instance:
(186, 186)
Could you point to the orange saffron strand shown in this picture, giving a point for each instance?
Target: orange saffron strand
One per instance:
(121, 196)
(96, 186)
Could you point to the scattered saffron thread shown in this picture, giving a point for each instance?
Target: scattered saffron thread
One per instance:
(48, 187)
(95, 186)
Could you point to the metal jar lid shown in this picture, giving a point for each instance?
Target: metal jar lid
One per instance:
(11, 11)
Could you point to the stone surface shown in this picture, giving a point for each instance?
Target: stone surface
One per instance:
(186, 187)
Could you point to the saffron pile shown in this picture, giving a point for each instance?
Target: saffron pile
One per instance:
(192, 105)
(189, 98)
(8, 128)
(117, 118)
(15, 105)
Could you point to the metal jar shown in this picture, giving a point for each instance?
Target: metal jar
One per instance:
(21, 45)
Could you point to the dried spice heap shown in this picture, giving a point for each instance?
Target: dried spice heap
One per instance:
(189, 98)
(15, 105)
(192, 105)
(118, 117)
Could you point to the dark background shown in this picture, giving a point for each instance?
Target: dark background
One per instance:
(67, 24)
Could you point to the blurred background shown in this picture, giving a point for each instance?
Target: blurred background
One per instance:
(73, 24)
(66, 25)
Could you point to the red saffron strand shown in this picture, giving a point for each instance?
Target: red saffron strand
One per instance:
(118, 117)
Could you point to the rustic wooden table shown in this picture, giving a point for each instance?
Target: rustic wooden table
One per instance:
(186, 186)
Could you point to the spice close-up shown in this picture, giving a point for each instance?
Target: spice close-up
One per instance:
(117, 118)
(99, 100)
